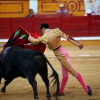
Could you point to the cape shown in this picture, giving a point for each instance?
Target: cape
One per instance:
(20, 38)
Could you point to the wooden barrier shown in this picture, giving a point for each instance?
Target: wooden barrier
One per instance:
(82, 26)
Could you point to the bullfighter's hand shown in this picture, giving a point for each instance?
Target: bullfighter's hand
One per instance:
(67, 36)
(30, 37)
(80, 46)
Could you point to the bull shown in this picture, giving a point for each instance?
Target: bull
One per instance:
(18, 62)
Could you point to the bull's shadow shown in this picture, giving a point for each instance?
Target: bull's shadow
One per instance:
(16, 61)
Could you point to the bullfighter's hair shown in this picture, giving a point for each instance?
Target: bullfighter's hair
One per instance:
(44, 25)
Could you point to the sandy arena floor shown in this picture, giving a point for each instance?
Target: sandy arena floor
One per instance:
(85, 61)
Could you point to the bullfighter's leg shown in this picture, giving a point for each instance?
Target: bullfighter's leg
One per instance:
(33, 83)
(65, 75)
(8, 80)
(44, 75)
(60, 54)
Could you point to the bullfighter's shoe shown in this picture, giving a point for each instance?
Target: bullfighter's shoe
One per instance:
(57, 94)
(90, 91)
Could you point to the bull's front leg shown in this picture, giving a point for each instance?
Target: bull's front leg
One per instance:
(3, 89)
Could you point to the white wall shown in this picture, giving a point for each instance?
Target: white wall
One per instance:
(34, 5)
(94, 6)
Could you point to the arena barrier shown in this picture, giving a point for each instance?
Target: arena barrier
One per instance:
(79, 26)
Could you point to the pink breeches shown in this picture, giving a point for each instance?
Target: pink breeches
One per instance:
(65, 73)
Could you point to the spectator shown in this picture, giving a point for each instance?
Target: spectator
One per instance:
(61, 10)
(31, 13)
(88, 11)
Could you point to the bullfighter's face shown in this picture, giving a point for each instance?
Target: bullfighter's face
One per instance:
(43, 30)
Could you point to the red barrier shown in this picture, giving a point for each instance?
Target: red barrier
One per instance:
(74, 26)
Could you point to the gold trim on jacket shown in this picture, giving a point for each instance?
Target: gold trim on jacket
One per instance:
(51, 38)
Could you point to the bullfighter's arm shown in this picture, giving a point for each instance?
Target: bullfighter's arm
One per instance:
(70, 39)
(42, 39)
(33, 40)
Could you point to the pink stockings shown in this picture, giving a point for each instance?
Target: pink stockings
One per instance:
(79, 78)
(63, 84)
(66, 75)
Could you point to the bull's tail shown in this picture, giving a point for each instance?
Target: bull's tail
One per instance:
(1, 73)
(54, 75)
(0, 77)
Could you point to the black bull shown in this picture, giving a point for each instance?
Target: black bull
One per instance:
(26, 63)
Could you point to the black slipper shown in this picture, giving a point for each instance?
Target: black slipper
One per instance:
(55, 94)
(90, 91)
